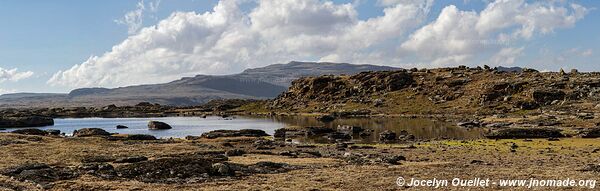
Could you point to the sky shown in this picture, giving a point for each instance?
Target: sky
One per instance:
(56, 46)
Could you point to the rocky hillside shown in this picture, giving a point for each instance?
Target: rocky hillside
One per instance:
(459, 90)
(257, 83)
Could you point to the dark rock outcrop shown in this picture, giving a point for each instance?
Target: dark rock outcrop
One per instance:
(26, 121)
(122, 127)
(140, 137)
(330, 89)
(30, 132)
(387, 136)
(39, 173)
(157, 125)
(590, 133)
(90, 132)
(547, 96)
(167, 169)
(235, 133)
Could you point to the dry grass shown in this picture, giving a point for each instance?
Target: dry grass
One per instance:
(539, 158)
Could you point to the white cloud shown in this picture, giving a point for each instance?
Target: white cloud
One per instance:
(228, 40)
(506, 57)
(134, 19)
(13, 75)
(457, 33)
(587, 52)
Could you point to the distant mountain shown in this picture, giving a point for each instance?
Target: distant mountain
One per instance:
(509, 69)
(258, 83)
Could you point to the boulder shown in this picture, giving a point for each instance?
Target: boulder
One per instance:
(280, 133)
(546, 97)
(317, 130)
(221, 169)
(52, 131)
(90, 132)
(235, 133)
(590, 133)
(387, 136)
(27, 121)
(140, 137)
(350, 129)
(525, 133)
(30, 132)
(339, 136)
(122, 127)
(234, 152)
(394, 160)
(39, 173)
(326, 118)
(157, 125)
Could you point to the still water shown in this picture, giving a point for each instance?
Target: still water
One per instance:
(184, 126)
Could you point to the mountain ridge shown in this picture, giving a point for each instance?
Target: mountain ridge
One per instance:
(254, 83)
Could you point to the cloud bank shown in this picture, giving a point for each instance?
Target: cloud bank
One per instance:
(228, 39)
(13, 75)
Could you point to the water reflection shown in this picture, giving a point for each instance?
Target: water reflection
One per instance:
(421, 128)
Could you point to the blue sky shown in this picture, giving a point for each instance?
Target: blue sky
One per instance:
(41, 42)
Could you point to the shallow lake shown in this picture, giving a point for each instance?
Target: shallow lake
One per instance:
(183, 126)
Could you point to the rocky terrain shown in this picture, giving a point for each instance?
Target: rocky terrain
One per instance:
(249, 160)
(257, 83)
(549, 98)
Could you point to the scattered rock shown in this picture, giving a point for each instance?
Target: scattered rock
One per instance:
(234, 133)
(514, 146)
(234, 152)
(90, 132)
(350, 129)
(394, 160)
(341, 146)
(52, 131)
(140, 137)
(191, 138)
(157, 125)
(263, 144)
(546, 96)
(221, 169)
(339, 136)
(590, 133)
(165, 170)
(591, 167)
(26, 121)
(30, 132)
(387, 136)
(326, 118)
(39, 173)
